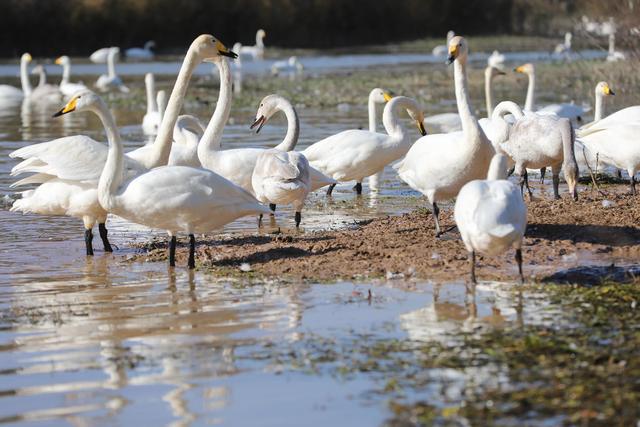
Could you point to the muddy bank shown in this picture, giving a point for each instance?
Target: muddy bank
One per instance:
(561, 234)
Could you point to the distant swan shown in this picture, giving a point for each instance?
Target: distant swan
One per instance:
(257, 51)
(141, 53)
(67, 88)
(111, 81)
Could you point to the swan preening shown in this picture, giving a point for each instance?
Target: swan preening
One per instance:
(491, 215)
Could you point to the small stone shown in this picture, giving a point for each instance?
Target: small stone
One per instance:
(245, 267)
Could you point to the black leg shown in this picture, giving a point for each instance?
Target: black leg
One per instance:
(435, 211)
(556, 186)
(543, 172)
(522, 180)
(88, 241)
(511, 171)
(632, 185)
(526, 183)
(192, 252)
(260, 221)
(330, 189)
(103, 235)
(298, 219)
(519, 261)
(358, 188)
(619, 174)
(172, 251)
(272, 206)
(472, 265)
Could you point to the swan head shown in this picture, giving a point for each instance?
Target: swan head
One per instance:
(491, 72)
(604, 88)
(26, 57)
(527, 69)
(149, 79)
(38, 69)
(62, 60)
(211, 49)
(413, 110)
(269, 105)
(149, 45)
(261, 33)
(458, 49)
(380, 96)
(82, 101)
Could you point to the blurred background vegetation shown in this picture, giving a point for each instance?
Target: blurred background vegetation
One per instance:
(77, 27)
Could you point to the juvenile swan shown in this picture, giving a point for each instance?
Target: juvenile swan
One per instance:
(491, 215)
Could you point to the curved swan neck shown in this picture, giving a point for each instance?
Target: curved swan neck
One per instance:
(529, 101)
(212, 136)
(151, 94)
(469, 122)
(390, 120)
(159, 155)
(599, 113)
(112, 174)
(24, 77)
(488, 91)
(293, 127)
(373, 114)
(507, 107)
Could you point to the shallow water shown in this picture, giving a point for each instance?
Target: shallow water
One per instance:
(102, 341)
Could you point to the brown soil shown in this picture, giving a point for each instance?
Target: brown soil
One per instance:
(560, 234)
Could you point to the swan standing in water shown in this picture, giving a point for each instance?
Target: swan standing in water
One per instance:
(44, 91)
(111, 81)
(141, 53)
(491, 215)
(439, 165)
(151, 119)
(172, 198)
(614, 55)
(281, 177)
(67, 88)
(352, 155)
(255, 52)
(572, 112)
(10, 95)
(376, 96)
(68, 169)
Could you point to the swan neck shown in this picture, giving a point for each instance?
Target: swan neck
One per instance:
(373, 115)
(111, 64)
(212, 136)
(390, 120)
(497, 169)
(259, 42)
(293, 128)
(24, 78)
(612, 43)
(112, 174)
(159, 155)
(469, 122)
(66, 73)
(152, 105)
(529, 101)
(488, 94)
(599, 113)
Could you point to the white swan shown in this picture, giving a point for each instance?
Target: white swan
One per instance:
(281, 177)
(111, 81)
(141, 53)
(237, 164)
(541, 140)
(257, 51)
(66, 87)
(41, 73)
(44, 91)
(101, 55)
(496, 60)
(352, 155)
(172, 198)
(10, 95)
(186, 134)
(291, 65)
(572, 112)
(614, 55)
(491, 215)
(67, 169)
(442, 50)
(564, 49)
(439, 165)
(376, 96)
(151, 119)
(584, 156)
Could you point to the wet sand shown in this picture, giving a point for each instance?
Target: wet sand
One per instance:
(561, 234)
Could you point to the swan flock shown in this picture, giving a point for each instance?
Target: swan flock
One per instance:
(185, 182)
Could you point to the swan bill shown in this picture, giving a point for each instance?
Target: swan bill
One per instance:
(421, 128)
(224, 51)
(260, 121)
(387, 96)
(71, 106)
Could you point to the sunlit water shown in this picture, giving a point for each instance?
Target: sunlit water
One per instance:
(100, 341)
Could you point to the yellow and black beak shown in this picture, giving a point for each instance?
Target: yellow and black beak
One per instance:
(519, 69)
(260, 121)
(71, 106)
(421, 128)
(453, 54)
(387, 96)
(222, 50)
(607, 90)
(58, 61)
